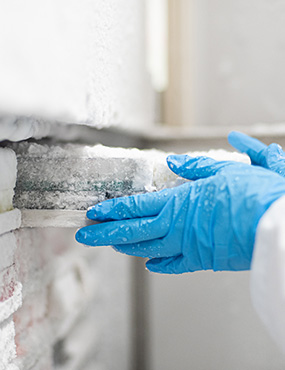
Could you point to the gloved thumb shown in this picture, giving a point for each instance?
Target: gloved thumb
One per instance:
(271, 157)
(254, 148)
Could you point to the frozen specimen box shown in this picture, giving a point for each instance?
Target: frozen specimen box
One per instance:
(60, 182)
(73, 177)
(56, 184)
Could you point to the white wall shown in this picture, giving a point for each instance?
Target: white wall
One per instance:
(232, 62)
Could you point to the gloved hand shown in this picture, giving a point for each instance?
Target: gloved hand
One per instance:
(271, 157)
(206, 224)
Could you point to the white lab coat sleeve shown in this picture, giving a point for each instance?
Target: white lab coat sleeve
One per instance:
(268, 271)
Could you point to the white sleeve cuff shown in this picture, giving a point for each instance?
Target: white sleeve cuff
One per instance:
(268, 271)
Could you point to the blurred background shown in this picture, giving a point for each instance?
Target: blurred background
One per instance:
(216, 65)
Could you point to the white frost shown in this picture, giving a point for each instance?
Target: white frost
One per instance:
(73, 62)
(8, 170)
(76, 177)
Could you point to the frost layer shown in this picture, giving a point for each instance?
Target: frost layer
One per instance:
(76, 177)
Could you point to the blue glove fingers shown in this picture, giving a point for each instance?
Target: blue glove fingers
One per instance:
(243, 142)
(246, 144)
(276, 159)
(271, 157)
(140, 205)
(149, 249)
(195, 168)
(122, 232)
(172, 265)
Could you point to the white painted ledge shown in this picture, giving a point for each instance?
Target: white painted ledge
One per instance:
(54, 218)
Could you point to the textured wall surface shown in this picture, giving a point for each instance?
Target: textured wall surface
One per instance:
(54, 312)
(73, 61)
(62, 306)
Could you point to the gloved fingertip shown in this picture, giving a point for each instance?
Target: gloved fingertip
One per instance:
(235, 133)
(90, 238)
(234, 138)
(246, 144)
(100, 211)
(95, 215)
(175, 162)
(80, 236)
(90, 214)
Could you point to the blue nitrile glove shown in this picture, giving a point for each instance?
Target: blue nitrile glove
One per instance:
(271, 157)
(209, 223)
